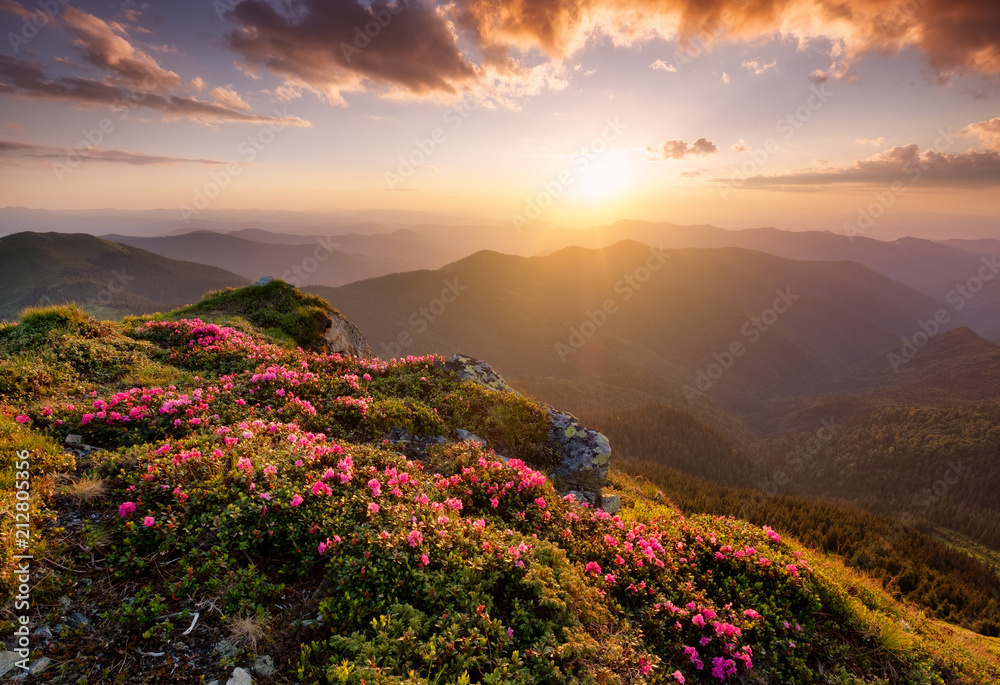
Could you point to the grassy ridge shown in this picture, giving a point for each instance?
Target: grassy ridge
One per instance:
(244, 487)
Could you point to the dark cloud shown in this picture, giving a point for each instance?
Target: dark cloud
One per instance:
(678, 149)
(12, 150)
(30, 80)
(334, 46)
(904, 164)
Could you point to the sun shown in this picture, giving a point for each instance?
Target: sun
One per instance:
(604, 177)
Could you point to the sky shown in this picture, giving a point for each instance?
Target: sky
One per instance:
(740, 113)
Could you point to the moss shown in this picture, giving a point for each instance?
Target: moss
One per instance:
(277, 307)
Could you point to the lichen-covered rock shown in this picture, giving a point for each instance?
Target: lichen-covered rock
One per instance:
(478, 371)
(611, 503)
(240, 677)
(585, 453)
(340, 336)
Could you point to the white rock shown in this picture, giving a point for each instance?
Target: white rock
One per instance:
(7, 661)
(240, 677)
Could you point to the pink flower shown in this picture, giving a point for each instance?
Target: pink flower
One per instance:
(296, 500)
(321, 487)
(86, 418)
(126, 508)
(322, 547)
(495, 502)
(415, 538)
(424, 560)
(592, 567)
(540, 501)
(149, 522)
(372, 508)
(375, 487)
(678, 677)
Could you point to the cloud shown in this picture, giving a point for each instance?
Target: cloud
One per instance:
(660, 65)
(757, 68)
(904, 164)
(445, 48)
(334, 47)
(988, 132)
(692, 174)
(16, 127)
(198, 83)
(30, 80)
(11, 150)
(227, 97)
(725, 77)
(678, 149)
(106, 49)
(819, 77)
(874, 142)
(739, 146)
(15, 8)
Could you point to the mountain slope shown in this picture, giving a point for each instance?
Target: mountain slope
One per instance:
(670, 315)
(52, 268)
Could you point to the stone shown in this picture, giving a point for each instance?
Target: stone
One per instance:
(74, 439)
(466, 435)
(78, 620)
(214, 682)
(39, 666)
(340, 336)
(586, 454)
(478, 371)
(611, 503)
(264, 665)
(582, 496)
(264, 280)
(240, 677)
(7, 661)
(43, 633)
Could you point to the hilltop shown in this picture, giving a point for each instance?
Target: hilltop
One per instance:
(208, 500)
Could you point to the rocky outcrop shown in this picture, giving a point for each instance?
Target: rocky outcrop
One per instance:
(340, 336)
(586, 454)
(469, 369)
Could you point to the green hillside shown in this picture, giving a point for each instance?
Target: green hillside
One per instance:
(247, 509)
(105, 278)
